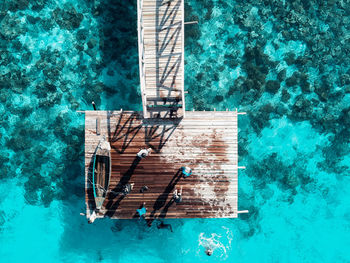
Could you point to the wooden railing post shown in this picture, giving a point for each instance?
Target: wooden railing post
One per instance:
(183, 55)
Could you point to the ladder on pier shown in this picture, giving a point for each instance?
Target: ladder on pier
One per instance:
(161, 57)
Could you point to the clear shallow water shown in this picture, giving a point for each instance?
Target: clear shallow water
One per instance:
(289, 70)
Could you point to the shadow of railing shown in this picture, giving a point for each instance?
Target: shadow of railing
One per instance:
(129, 131)
(168, 60)
(126, 131)
(158, 133)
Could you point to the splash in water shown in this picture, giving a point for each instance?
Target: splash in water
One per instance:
(216, 242)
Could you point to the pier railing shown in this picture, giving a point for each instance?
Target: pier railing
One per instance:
(141, 47)
(183, 55)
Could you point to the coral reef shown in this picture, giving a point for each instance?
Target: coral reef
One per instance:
(285, 63)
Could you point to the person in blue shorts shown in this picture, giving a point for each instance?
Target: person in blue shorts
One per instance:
(142, 211)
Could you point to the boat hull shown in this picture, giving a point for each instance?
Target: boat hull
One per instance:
(101, 173)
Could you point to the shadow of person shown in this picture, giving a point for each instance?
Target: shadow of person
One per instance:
(126, 177)
(166, 208)
(161, 200)
(165, 226)
(112, 206)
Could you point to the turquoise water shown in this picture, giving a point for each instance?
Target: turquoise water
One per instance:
(285, 63)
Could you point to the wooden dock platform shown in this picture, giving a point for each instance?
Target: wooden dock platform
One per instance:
(204, 141)
(161, 57)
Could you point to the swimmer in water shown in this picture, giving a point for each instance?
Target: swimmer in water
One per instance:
(209, 251)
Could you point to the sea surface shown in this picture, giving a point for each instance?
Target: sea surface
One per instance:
(285, 63)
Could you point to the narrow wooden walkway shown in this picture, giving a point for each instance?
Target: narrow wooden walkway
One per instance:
(204, 141)
(161, 57)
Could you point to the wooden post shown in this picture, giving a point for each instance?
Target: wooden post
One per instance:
(98, 126)
(191, 22)
(93, 105)
(183, 56)
(243, 212)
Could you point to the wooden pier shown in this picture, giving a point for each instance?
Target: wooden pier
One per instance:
(204, 141)
(161, 57)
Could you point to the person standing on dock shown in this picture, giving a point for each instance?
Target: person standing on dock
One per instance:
(177, 196)
(186, 171)
(144, 188)
(143, 153)
(142, 210)
(127, 188)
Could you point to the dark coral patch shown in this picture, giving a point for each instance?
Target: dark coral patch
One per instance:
(67, 18)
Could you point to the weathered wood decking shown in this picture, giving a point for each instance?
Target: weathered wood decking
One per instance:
(161, 57)
(205, 141)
